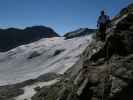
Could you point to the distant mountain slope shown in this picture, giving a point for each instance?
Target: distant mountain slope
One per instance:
(79, 32)
(13, 37)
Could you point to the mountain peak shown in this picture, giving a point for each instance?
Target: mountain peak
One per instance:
(13, 37)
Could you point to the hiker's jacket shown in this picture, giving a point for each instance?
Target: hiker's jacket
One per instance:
(103, 19)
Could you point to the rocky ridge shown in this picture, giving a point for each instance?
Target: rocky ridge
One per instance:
(14, 37)
(79, 32)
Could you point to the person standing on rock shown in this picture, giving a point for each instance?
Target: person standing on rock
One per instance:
(102, 24)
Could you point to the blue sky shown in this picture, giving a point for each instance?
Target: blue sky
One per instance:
(61, 15)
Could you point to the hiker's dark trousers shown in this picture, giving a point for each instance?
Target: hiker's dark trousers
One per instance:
(102, 31)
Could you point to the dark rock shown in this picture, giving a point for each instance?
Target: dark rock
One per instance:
(57, 52)
(125, 22)
(37, 88)
(9, 92)
(123, 12)
(34, 55)
(48, 77)
(41, 94)
(79, 32)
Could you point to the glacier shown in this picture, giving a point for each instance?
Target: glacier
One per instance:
(48, 55)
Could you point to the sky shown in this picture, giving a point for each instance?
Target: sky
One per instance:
(61, 15)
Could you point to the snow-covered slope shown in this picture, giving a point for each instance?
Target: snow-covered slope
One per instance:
(44, 56)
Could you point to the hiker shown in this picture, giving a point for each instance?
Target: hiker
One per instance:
(103, 23)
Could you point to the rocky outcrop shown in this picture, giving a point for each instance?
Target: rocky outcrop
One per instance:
(13, 37)
(104, 71)
(123, 12)
(79, 32)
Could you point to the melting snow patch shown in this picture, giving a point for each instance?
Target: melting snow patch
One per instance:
(29, 90)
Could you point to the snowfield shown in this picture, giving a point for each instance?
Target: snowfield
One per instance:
(44, 56)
